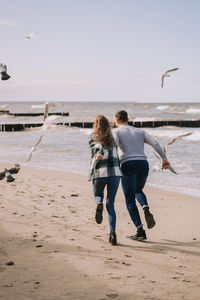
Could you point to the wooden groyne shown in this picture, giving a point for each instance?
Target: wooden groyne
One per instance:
(142, 124)
(37, 114)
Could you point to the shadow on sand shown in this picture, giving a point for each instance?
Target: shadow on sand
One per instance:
(166, 246)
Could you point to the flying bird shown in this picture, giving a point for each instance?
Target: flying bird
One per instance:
(46, 109)
(176, 139)
(44, 127)
(170, 167)
(167, 75)
(32, 35)
(170, 143)
(3, 72)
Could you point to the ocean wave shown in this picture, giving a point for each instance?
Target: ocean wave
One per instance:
(143, 119)
(170, 131)
(3, 106)
(38, 106)
(162, 107)
(192, 111)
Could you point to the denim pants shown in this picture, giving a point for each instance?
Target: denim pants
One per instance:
(135, 175)
(112, 184)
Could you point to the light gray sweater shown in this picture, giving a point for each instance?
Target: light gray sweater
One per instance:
(131, 143)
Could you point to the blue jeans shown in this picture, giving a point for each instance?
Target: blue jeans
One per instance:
(135, 175)
(112, 183)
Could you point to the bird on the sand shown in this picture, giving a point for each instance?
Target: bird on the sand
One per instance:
(166, 74)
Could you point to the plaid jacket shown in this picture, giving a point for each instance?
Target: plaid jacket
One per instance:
(108, 166)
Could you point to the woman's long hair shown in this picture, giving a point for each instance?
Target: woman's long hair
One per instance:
(102, 130)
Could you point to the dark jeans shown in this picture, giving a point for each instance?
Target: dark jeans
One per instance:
(135, 175)
(112, 184)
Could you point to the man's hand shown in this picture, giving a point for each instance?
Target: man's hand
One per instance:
(99, 156)
(165, 164)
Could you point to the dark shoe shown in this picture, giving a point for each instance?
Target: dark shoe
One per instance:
(14, 170)
(113, 239)
(2, 175)
(140, 235)
(99, 212)
(10, 178)
(149, 218)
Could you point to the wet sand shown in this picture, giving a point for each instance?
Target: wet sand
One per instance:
(48, 231)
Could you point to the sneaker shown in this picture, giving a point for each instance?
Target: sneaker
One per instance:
(113, 239)
(14, 170)
(10, 178)
(99, 213)
(140, 235)
(2, 175)
(149, 218)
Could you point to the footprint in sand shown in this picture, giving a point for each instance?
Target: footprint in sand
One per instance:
(74, 194)
(112, 296)
(186, 280)
(115, 277)
(72, 209)
(84, 275)
(178, 273)
(152, 281)
(8, 285)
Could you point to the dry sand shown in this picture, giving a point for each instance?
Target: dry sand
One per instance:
(48, 230)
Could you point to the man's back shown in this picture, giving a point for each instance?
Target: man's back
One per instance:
(131, 143)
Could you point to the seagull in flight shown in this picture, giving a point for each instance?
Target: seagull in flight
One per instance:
(167, 75)
(47, 105)
(32, 35)
(176, 139)
(3, 72)
(170, 143)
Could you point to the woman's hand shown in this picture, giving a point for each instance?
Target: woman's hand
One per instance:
(165, 164)
(99, 156)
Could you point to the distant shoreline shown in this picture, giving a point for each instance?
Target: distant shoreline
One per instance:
(93, 101)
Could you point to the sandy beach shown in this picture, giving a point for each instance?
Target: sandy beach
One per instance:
(48, 231)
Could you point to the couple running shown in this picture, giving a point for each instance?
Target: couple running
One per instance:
(131, 165)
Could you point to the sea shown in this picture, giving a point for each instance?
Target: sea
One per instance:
(66, 148)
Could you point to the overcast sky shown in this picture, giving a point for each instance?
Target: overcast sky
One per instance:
(100, 50)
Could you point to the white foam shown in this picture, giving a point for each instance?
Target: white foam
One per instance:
(38, 106)
(3, 106)
(162, 107)
(193, 110)
(170, 132)
(143, 119)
